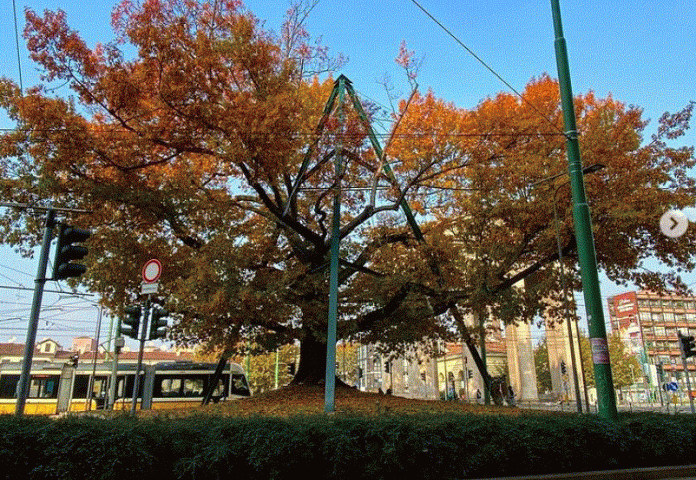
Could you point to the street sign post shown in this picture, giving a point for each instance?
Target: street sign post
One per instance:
(149, 288)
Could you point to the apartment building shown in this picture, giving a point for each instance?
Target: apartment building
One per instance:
(648, 323)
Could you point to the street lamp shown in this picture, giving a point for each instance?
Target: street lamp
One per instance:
(589, 169)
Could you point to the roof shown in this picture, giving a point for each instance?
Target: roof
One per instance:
(13, 349)
(17, 350)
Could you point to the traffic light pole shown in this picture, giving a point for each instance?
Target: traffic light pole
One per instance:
(118, 344)
(40, 281)
(143, 332)
(686, 369)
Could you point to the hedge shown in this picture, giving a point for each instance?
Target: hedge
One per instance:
(450, 446)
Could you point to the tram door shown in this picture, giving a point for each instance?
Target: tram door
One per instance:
(65, 389)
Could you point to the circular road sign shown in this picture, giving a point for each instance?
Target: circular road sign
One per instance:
(152, 270)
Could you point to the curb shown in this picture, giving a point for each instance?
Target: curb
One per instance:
(651, 473)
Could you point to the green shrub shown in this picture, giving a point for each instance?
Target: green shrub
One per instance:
(446, 446)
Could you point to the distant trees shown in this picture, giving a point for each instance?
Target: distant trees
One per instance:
(625, 367)
(541, 365)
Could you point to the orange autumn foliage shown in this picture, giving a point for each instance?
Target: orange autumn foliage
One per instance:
(190, 151)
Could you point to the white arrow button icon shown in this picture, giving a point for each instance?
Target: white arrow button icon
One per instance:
(674, 223)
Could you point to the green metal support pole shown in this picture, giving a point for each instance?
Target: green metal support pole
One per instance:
(114, 369)
(330, 380)
(248, 369)
(486, 378)
(583, 231)
(276, 369)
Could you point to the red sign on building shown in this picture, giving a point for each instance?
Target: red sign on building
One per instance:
(623, 310)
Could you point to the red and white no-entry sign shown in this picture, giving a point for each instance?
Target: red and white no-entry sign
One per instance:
(152, 270)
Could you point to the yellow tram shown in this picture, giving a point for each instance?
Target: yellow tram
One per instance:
(60, 388)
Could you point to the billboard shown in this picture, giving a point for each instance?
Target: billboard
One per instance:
(623, 309)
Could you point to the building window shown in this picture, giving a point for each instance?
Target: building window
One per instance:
(660, 331)
(669, 317)
(691, 317)
(656, 317)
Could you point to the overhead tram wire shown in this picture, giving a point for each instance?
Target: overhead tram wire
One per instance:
(489, 68)
(17, 271)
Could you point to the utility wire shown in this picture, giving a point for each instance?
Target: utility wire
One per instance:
(19, 60)
(258, 134)
(488, 67)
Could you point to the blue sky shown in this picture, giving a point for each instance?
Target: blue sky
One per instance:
(640, 51)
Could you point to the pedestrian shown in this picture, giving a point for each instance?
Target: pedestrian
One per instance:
(478, 396)
(511, 396)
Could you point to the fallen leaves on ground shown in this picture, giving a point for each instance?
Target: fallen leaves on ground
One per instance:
(309, 400)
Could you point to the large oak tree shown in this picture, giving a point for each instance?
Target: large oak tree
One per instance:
(189, 150)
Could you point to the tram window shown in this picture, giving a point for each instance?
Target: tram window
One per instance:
(193, 387)
(221, 388)
(129, 381)
(80, 388)
(239, 385)
(167, 386)
(8, 386)
(44, 387)
(99, 387)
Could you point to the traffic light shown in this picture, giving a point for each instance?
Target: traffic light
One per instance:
(470, 373)
(131, 322)
(158, 324)
(66, 252)
(563, 367)
(74, 359)
(291, 369)
(386, 367)
(658, 370)
(688, 347)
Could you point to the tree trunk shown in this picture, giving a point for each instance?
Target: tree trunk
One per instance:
(312, 368)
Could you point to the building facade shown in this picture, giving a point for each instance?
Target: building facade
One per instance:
(649, 324)
(458, 375)
(413, 375)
